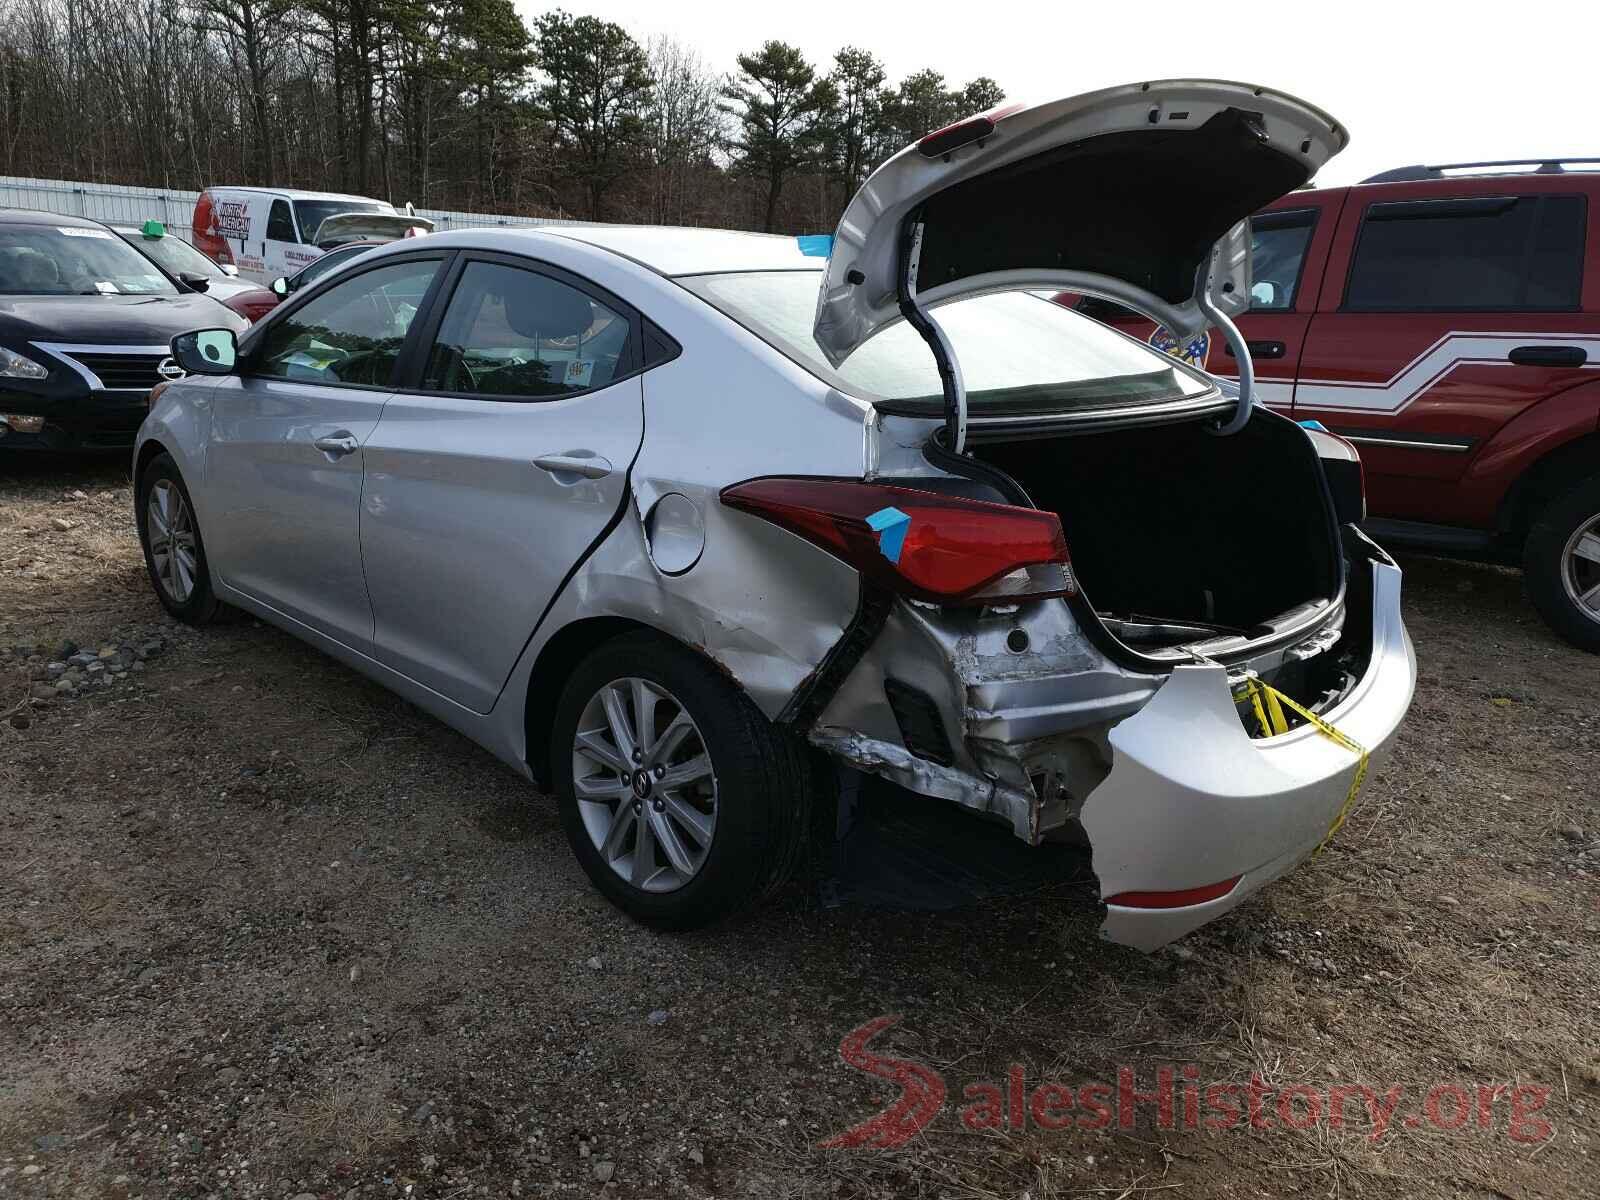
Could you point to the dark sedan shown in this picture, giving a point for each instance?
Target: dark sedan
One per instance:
(85, 326)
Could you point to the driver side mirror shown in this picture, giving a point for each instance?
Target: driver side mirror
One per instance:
(206, 351)
(1264, 292)
(194, 281)
(280, 287)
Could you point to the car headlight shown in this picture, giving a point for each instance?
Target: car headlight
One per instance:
(20, 366)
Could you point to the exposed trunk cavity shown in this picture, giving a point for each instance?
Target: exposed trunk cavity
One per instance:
(1181, 537)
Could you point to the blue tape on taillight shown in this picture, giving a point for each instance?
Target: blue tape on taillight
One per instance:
(891, 525)
(1317, 425)
(815, 245)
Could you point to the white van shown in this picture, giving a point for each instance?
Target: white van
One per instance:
(267, 232)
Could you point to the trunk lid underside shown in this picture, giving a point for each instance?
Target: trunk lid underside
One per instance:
(1121, 193)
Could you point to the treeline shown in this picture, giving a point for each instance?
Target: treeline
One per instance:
(453, 104)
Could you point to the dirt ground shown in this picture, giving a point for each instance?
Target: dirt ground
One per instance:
(267, 930)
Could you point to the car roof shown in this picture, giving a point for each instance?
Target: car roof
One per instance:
(295, 194)
(33, 216)
(673, 250)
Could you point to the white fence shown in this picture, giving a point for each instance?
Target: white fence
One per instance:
(123, 205)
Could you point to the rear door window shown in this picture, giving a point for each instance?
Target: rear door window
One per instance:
(1277, 256)
(1480, 253)
(514, 334)
(350, 334)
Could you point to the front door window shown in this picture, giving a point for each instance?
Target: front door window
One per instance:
(352, 333)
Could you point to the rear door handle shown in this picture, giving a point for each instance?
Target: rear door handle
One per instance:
(1262, 350)
(337, 444)
(1549, 356)
(585, 463)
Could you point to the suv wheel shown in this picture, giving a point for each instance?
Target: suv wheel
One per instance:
(681, 800)
(174, 554)
(1562, 561)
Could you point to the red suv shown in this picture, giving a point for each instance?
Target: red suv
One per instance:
(1447, 320)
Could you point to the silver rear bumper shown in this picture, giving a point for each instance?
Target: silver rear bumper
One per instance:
(1192, 800)
(1172, 792)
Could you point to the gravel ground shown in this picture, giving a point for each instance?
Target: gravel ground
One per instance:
(266, 930)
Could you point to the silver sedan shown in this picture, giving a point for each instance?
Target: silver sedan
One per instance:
(682, 523)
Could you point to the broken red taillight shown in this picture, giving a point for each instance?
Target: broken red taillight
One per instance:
(934, 547)
(1179, 899)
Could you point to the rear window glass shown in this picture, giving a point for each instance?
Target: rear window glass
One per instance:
(1475, 254)
(1018, 351)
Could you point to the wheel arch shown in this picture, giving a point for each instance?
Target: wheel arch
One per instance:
(147, 451)
(1551, 475)
(554, 665)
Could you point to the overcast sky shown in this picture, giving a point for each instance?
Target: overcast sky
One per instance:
(1442, 82)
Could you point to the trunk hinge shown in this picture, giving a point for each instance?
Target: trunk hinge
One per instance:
(920, 319)
(1236, 342)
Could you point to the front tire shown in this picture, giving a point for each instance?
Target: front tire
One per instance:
(1561, 560)
(683, 803)
(174, 553)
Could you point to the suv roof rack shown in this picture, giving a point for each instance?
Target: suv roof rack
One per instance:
(1541, 166)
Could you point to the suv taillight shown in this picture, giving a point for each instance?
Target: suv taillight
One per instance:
(941, 548)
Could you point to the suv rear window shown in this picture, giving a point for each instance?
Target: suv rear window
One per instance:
(1483, 253)
(1019, 352)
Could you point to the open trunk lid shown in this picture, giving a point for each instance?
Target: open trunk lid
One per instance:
(1122, 193)
(360, 226)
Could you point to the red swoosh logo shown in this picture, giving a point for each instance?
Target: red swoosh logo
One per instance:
(921, 1092)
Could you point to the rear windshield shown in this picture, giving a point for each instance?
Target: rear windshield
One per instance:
(1019, 352)
(65, 260)
(173, 253)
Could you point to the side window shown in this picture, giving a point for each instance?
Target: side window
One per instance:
(1277, 255)
(514, 334)
(1485, 253)
(280, 225)
(319, 267)
(352, 333)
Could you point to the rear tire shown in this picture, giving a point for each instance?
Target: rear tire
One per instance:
(728, 834)
(1561, 559)
(174, 553)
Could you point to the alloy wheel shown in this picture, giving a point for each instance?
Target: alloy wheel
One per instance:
(645, 787)
(1580, 567)
(169, 527)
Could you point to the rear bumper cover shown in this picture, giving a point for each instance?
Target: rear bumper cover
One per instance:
(1158, 768)
(1191, 799)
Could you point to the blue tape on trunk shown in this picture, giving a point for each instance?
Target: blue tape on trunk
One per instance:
(891, 525)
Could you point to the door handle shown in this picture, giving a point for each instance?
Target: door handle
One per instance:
(337, 444)
(1549, 356)
(574, 462)
(1261, 350)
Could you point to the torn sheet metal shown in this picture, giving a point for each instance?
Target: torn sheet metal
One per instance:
(1192, 800)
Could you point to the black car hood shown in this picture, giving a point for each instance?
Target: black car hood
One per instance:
(111, 320)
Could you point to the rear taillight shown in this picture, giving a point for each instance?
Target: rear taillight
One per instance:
(942, 548)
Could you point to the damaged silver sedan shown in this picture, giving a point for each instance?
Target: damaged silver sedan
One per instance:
(672, 520)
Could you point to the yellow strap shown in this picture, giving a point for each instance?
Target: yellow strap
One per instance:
(1255, 691)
